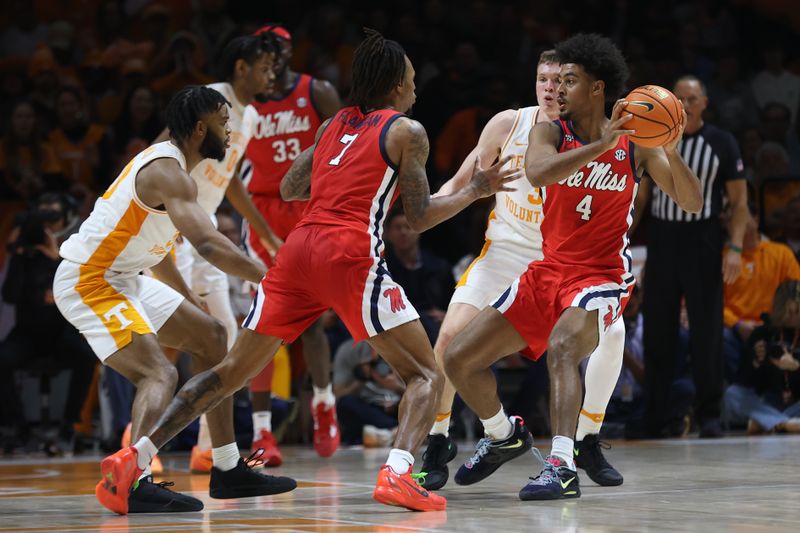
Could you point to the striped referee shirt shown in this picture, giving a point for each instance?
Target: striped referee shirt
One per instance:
(714, 157)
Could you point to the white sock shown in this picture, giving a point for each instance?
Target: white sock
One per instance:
(226, 457)
(442, 424)
(146, 450)
(401, 461)
(262, 420)
(323, 395)
(563, 448)
(498, 427)
(204, 436)
(146, 472)
(602, 373)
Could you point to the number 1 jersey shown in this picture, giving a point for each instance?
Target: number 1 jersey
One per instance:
(587, 215)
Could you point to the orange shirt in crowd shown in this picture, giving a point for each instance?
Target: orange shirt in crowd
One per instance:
(77, 159)
(763, 268)
(455, 142)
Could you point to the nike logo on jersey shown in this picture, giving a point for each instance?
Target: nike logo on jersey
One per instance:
(646, 105)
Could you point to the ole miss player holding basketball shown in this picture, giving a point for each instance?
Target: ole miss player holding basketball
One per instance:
(288, 119)
(365, 157)
(565, 303)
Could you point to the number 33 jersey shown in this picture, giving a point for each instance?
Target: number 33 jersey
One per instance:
(353, 181)
(587, 215)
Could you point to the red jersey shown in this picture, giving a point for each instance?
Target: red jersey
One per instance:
(353, 181)
(587, 215)
(285, 127)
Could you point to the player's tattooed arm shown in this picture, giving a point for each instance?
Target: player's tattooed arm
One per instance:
(408, 142)
(296, 184)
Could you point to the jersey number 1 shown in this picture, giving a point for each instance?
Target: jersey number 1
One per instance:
(585, 207)
(346, 140)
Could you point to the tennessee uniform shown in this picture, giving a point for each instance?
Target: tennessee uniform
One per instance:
(98, 286)
(334, 257)
(586, 261)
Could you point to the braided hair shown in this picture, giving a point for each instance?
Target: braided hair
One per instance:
(378, 66)
(188, 106)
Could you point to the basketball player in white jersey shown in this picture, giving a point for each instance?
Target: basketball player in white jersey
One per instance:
(247, 63)
(513, 239)
(124, 315)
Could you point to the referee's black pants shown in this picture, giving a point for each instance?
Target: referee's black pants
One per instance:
(684, 259)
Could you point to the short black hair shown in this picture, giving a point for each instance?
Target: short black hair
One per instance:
(189, 105)
(379, 64)
(247, 47)
(599, 57)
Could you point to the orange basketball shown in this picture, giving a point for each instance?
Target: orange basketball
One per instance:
(656, 115)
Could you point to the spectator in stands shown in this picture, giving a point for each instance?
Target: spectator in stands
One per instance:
(213, 27)
(766, 390)
(367, 395)
(776, 127)
(733, 98)
(751, 141)
(41, 334)
(138, 125)
(28, 164)
(427, 279)
(776, 84)
(20, 38)
(186, 67)
(84, 148)
(765, 265)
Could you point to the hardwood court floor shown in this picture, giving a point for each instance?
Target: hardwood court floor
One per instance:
(735, 484)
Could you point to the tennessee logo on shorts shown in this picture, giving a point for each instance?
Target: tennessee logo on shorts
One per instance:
(395, 298)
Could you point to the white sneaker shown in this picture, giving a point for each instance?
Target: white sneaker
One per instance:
(374, 437)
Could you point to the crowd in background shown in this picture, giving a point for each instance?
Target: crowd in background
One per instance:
(83, 87)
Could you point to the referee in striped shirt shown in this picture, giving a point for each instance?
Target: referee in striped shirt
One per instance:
(684, 260)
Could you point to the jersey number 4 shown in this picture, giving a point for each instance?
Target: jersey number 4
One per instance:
(346, 140)
(585, 207)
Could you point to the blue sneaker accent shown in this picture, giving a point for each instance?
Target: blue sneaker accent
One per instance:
(554, 482)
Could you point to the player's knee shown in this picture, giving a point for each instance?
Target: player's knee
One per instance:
(563, 348)
(218, 341)
(454, 363)
(166, 374)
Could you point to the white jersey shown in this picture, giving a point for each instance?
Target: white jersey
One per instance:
(122, 234)
(517, 215)
(212, 176)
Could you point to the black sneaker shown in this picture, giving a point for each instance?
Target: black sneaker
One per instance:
(244, 482)
(554, 482)
(490, 454)
(149, 497)
(441, 450)
(589, 456)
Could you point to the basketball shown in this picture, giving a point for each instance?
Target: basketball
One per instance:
(656, 115)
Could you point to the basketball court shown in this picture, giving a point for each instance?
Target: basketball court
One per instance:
(747, 484)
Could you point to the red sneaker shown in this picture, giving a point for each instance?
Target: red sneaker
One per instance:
(402, 491)
(156, 466)
(326, 430)
(119, 471)
(266, 441)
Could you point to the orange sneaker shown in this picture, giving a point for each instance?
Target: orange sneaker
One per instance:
(201, 461)
(119, 473)
(326, 430)
(266, 441)
(403, 491)
(156, 466)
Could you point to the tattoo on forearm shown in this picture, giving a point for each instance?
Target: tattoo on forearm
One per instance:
(296, 184)
(413, 181)
(200, 394)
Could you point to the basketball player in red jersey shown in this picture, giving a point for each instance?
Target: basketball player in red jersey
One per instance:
(288, 119)
(566, 303)
(364, 158)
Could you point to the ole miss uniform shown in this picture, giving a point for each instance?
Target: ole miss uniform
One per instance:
(334, 257)
(586, 262)
(284, 128)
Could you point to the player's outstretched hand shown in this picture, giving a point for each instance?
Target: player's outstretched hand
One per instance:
(495, 178)
(616, 126)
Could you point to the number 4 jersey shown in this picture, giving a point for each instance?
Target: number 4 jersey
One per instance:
(588, 214)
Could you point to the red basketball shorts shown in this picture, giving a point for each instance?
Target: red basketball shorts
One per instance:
(281, 217)
(324, 267)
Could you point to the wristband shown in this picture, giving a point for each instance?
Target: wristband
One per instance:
(734, 248)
